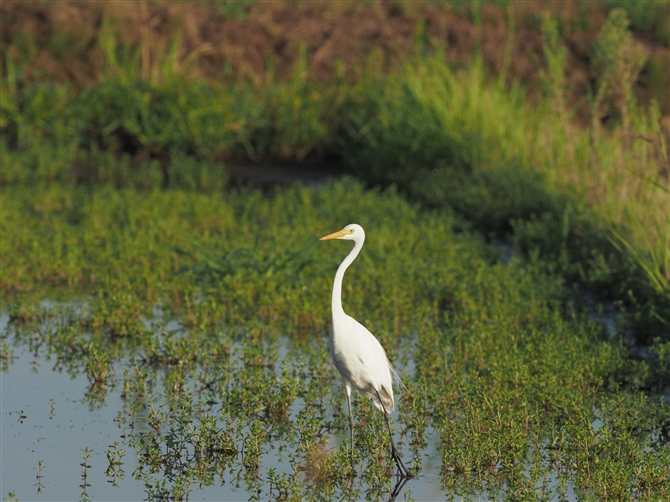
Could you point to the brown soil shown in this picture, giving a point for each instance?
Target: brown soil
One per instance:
(58, 41)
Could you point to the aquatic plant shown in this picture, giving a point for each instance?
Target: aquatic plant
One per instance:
(507, 375)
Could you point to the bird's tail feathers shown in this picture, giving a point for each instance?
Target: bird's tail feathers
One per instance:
(387, 396)
(396, 377)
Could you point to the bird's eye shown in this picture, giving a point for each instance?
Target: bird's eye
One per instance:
(351, 230)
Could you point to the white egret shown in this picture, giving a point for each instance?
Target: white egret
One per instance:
(357, 354)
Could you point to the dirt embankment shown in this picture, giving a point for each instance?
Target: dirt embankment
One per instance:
(60, 41)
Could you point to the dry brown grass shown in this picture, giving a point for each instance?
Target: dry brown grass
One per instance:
(59, 41)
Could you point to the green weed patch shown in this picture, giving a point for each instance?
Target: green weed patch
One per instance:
(129, 258)
(426, 127)
(519, 389)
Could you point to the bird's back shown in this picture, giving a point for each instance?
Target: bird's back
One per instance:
(361, 360)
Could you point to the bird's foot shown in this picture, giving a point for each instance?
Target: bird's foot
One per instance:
(403, 471)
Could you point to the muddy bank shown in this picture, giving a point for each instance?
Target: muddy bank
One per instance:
(257, 41)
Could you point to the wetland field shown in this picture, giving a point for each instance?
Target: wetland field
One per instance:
(167, 171)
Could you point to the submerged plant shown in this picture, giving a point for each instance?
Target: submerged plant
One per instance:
(97, 367)
(85, 455)
(114, 469)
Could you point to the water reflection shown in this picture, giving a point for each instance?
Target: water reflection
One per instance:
(262, 428)
(238, 415)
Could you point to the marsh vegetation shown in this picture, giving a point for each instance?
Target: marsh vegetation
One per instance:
(177, 320)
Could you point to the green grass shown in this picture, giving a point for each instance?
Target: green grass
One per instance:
(420, 127)
(433, 122)
(592, 200)
(508, 375)
(117, 203)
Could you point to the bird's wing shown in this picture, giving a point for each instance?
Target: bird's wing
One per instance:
(361, 360)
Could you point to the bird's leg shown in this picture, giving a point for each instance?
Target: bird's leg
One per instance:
(351, 421)
(404, 471)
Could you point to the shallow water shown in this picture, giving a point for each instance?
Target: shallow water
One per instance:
(50, 416)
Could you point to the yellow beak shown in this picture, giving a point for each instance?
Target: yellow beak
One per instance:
(334, 235)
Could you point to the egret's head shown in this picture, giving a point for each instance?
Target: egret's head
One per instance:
(351, 232)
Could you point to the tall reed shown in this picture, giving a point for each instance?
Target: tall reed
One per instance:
(430, 115)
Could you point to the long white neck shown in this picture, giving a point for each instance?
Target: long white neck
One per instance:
(339, 275)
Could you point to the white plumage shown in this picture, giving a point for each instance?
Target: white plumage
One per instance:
(362, 362)
(356, 353)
